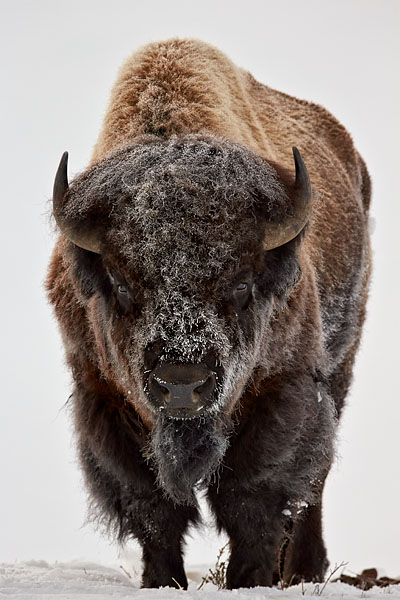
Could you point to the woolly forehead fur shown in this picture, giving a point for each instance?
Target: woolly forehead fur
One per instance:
(188, 205)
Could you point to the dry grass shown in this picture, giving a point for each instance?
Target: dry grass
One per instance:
(366, 580)
(217, 576)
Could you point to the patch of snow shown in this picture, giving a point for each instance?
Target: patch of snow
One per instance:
(81, 580)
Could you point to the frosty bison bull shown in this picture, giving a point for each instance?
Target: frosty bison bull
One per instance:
(210, 288)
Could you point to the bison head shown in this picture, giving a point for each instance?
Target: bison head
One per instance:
(181, 250)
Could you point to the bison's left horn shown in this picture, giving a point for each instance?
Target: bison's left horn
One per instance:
(82, 234)
(277, 234)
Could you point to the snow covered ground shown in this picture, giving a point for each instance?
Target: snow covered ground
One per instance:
(79, 580)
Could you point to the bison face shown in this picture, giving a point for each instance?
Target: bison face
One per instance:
(190, 389)
(169, 257)
(185, 347)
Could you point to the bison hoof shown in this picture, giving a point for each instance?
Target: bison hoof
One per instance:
(248, 576)
(158, 580)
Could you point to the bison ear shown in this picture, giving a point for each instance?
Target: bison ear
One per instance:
(277, 234)
(85, 233)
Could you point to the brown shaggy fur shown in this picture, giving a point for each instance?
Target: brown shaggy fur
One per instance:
(266, 446)
(186, 86)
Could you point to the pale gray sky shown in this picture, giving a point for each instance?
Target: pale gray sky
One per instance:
(58, 62)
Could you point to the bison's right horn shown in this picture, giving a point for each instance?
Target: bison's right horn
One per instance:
(80, 232)
(277, 234)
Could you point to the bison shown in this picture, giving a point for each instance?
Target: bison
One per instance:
(210, 281)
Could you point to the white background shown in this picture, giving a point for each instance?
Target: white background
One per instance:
(58, 62)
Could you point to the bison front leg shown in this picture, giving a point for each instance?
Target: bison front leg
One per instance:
(133, 507)
(305, 558)
(162, 543)
(255, 525)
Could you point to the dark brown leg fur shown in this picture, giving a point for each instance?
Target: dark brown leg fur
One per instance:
(305, 557)
(254, 523)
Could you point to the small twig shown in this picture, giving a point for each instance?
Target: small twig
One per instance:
(177, 583)
(303, 589)
(126, 572)
(218, 575)
(331, 574)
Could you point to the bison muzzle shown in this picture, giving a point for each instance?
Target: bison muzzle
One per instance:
(210, 281)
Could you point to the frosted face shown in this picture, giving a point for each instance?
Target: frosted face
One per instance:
(184, 278)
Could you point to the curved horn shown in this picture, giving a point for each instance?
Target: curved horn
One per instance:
(278, 234)
(78, 232)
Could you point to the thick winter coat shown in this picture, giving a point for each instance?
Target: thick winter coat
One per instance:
(210, 285)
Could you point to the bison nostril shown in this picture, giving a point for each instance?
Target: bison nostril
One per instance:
(166, 393)
(159, 391)
(205, 388)
(178, 388)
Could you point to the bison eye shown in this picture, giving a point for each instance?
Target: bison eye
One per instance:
(127, 299)
(242, 287)
(241, 292)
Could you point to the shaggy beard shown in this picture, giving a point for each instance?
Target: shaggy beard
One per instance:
(187, 453)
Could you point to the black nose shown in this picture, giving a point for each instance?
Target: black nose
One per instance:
(181, 390)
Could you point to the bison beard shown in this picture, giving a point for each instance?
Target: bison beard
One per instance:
(187, 453)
